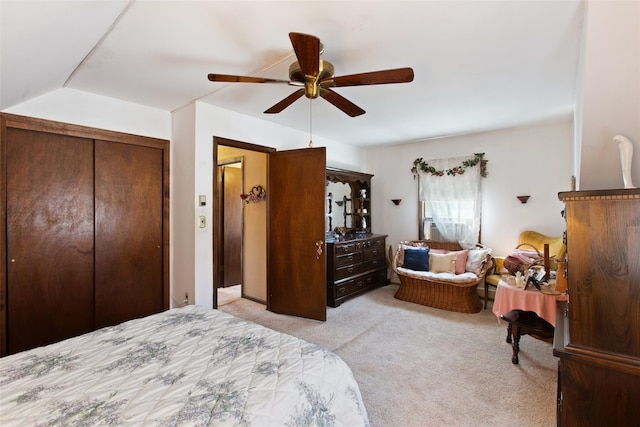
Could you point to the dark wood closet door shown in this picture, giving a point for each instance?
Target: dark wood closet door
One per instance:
(232, 226)
(49, 238)
(129, 235)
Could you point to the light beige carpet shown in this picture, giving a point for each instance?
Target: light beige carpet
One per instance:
(420, 366)
(229, 294)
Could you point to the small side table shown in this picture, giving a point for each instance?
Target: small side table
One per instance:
(523, 322)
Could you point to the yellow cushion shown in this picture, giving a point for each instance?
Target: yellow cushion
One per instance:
(493, 279)
(556, 247)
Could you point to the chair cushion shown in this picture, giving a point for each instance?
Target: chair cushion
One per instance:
(493, 279)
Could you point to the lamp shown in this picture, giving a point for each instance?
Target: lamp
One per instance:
(523, 199)
(396, 201)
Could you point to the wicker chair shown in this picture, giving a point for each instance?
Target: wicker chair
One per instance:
(440, 292)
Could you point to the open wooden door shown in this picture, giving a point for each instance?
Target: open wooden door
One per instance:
(296, 248)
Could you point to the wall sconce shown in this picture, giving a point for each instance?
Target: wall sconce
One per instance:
(523, 199)
(396, 201)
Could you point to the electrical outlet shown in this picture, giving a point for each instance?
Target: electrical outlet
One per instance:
(202, 221)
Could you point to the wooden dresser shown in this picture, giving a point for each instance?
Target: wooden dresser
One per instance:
(354, 265)
(598, 332)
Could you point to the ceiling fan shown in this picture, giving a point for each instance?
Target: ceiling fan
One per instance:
(316, 77)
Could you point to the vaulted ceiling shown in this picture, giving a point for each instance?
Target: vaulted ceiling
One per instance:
(478, 65)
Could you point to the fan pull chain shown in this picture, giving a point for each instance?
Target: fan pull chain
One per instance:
(310, 124)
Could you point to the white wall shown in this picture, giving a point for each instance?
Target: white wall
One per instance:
(183, 209)
(532, 160)
(83, 108)
(610, 92)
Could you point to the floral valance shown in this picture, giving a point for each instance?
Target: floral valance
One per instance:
(419, 165)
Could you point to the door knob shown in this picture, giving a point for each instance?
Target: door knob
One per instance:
(319, 244)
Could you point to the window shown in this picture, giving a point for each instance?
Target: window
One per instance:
(450, 202)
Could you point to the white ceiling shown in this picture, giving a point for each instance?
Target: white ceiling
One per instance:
(478, 65)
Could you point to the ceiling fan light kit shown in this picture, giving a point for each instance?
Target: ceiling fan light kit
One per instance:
(316, 77)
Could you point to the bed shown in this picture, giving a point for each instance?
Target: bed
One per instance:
(184, 366)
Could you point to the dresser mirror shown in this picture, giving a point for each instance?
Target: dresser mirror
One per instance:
(348, 199)
(338, 210)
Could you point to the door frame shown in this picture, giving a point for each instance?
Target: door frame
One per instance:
(217, 209)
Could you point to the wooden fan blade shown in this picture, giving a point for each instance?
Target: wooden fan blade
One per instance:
(285, 102)
(307, 49)
(242, 79)
(398, 75)
(341, 102)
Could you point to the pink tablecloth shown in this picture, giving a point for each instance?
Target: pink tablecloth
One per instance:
(510, 298)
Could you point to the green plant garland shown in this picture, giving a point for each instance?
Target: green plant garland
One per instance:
(420, 165)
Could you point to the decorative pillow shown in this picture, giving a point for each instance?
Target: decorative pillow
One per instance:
(461, 260)
(443, 263)
(476, 259)
(416, 259)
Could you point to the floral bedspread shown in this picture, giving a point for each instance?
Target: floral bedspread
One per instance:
(185, 366)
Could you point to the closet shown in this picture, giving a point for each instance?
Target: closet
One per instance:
(86, 235)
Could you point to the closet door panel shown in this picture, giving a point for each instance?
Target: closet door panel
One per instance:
(49, 238)
(129, 234)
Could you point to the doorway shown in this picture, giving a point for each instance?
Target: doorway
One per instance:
(284, 258)
(241, 245)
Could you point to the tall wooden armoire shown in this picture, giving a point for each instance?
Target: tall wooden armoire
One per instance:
(598, 334)
(86, 240)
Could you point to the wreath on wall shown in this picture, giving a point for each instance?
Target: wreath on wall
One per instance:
(419, 165)
(257, 194)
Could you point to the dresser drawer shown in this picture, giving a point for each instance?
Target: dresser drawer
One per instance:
(379, 278)
(374, 243)
(347, 248)
(350, 286)
(348, 270)
(348, 259)
(374, 263)
(374, 253)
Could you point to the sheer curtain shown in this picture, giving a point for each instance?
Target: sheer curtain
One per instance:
(454, 201)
